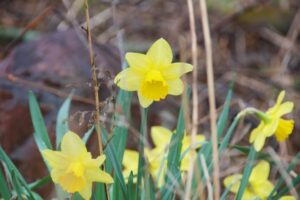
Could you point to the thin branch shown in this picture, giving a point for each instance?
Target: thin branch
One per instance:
(211, 96)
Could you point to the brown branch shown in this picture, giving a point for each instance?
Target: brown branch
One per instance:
(31, 84)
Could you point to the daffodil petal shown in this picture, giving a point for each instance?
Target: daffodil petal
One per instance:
(263, 188)
(130, 161)
(277, 104)
(129, 79)
(175, 86)
(138, 61)
(233, 182)
(98, 175)
(72, 144)
(288, 197)
(284, 129)
(161, 136)
(160, 53)
(280, 97)
(260, 172)
(285, 108)
(144, 101)
(259, 142)
(55, 159)
(86, 192)
(270, 128)
(249, 195)
(255, 132)
(176, 70)
(92, 163)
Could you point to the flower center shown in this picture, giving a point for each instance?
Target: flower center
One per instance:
(77, 169)
(154, 86)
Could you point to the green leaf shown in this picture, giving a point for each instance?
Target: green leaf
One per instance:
(77, 196)
(141, 164)
(40, 131)
(40, 182)
(16, 185)
(62, 125)
(4, 191)
(130, 187)
(110, 152)
(259, 155)
(246, 173)
(99, 192)
(88, 134)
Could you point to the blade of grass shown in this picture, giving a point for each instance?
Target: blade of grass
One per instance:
(246, 173)
(141, 164)
(291, 166)
(38, 122)
(4, 191)
(62, 125)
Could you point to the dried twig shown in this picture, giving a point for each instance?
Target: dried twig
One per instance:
(96, 86)
(211, 96)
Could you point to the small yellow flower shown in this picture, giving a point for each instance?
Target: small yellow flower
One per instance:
(73, 168)
(273, 123)
(157, 156)
(258, 186)
(153, 75)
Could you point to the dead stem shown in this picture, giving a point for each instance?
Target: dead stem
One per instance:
(96, 86)
(211, 96)
(195, 96)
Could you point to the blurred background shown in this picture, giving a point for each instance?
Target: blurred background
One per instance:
(43, 48)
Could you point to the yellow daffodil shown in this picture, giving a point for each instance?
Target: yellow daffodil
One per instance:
(153, 75)
(258, 186)
(273, 123)
(156, 157)
(73, 168)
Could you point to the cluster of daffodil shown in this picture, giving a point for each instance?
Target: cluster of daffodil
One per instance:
(259, 187)
(154, 76)
(156, 157)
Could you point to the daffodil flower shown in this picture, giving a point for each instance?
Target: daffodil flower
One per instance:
(156, 157)
(73, 168)
(273, 123)
(258, 186)
(153, 75)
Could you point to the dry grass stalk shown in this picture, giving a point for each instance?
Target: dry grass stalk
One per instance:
(195, 95)
(211, 96)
